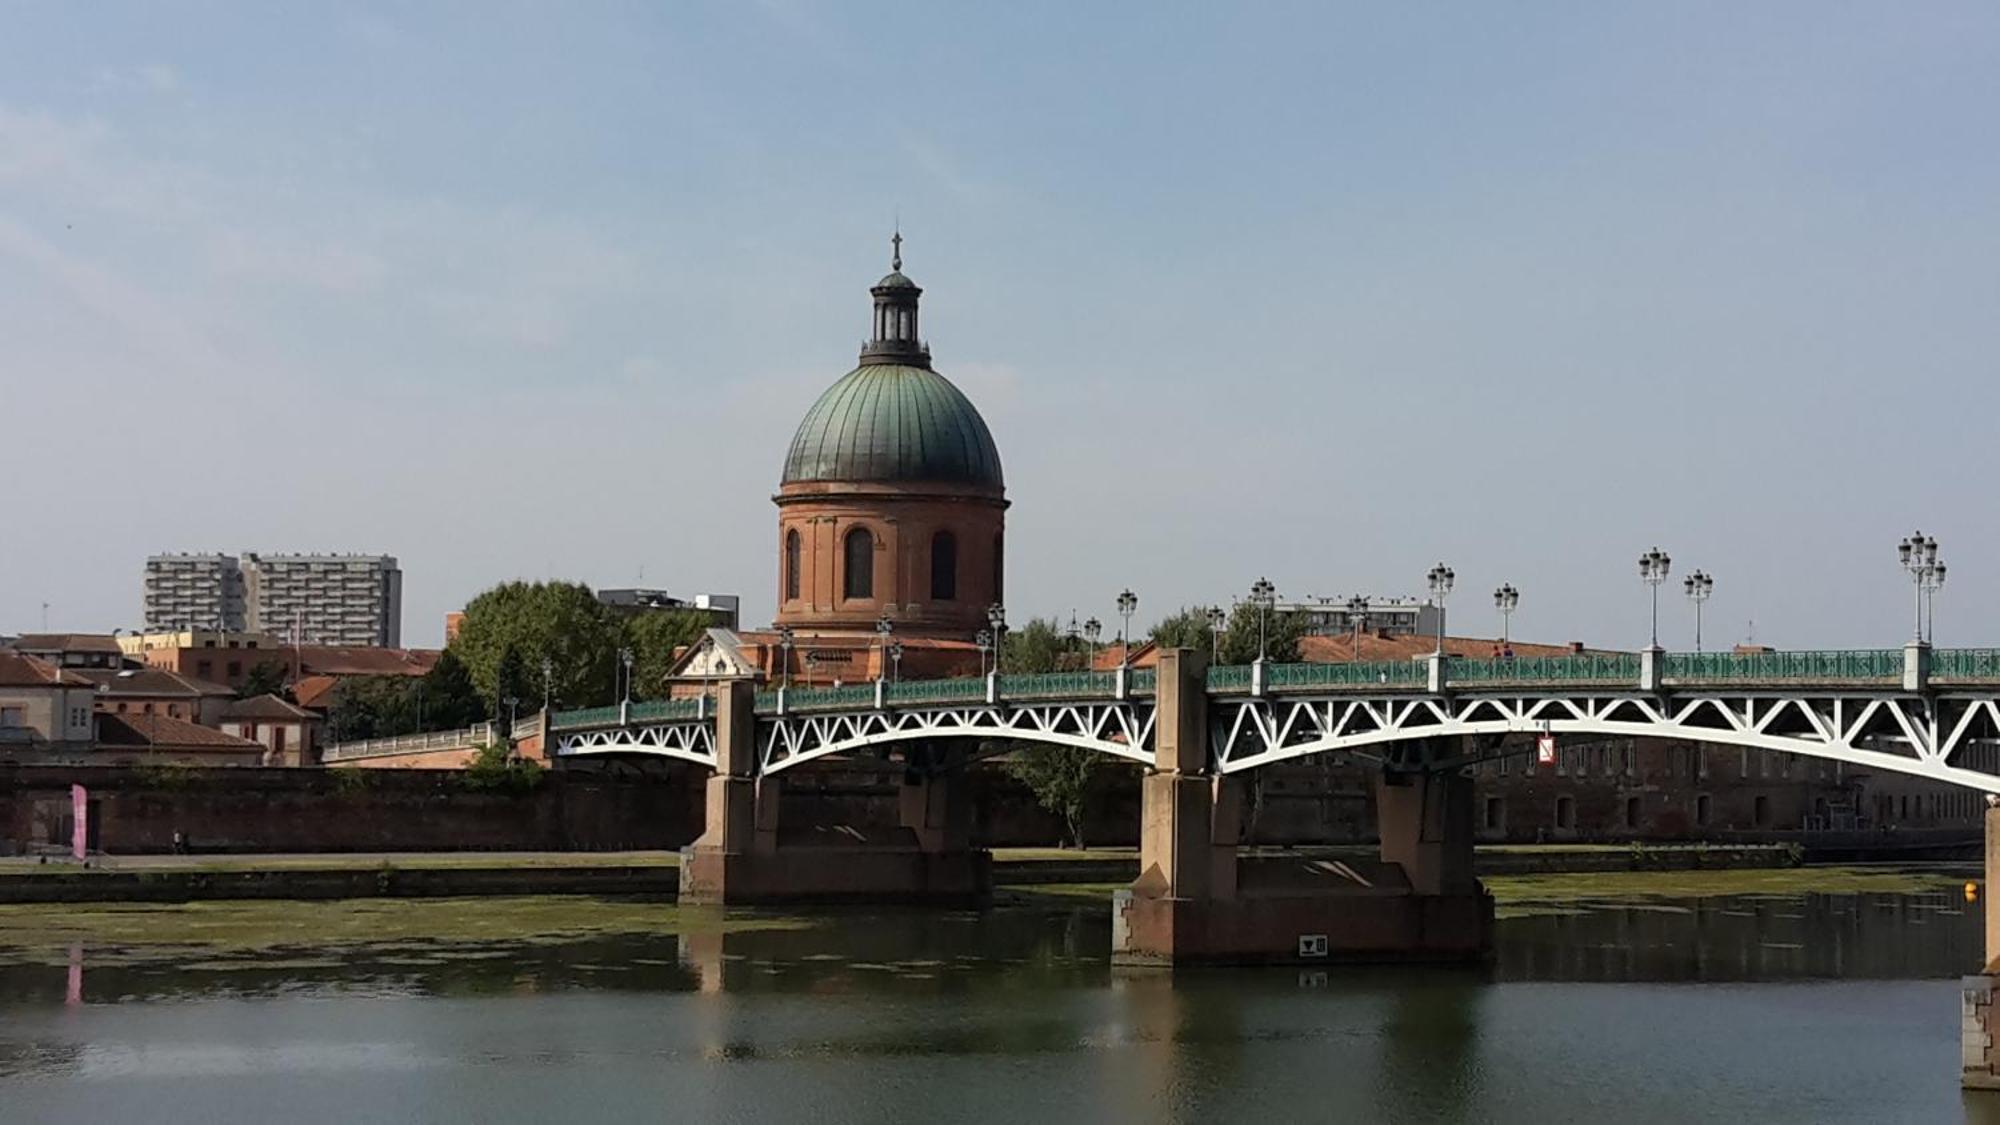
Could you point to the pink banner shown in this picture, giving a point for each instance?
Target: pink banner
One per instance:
(79, 807)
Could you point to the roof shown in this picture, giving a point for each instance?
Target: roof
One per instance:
(18, 670)
(362, 660)
(266, 707)
(68, 642)
(894, 279)
(890, 422)
(164, 732)
(1339, 649)
(1145, 654)
(150, 681)
(315, 691)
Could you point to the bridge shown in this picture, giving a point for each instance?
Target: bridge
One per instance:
(1907, 710)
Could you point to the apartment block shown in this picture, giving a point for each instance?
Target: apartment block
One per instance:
(330, 599)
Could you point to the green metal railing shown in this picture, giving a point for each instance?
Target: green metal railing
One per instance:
(1291, 677)
(1229, 677)
(960, 690)
(853, 695)
(1613, 667)
(586, 717)
(1830, 664)
(1143, 681)
(654, 709)
(1086, 684)
(1965, 664)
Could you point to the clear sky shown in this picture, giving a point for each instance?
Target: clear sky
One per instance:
(1321, 292)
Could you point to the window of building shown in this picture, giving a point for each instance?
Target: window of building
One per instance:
(999, 595)
(1701, 810)
(1632, 812)
(147, 708)
(13, 716)
(792, 565)
(1565, 813)
(858, 581)
(235, 669)
(944, 567)
(1761, 811)
(1496, 814)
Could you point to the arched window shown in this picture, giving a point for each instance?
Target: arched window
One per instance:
(792, 565)
(944, 567)
(859, 579)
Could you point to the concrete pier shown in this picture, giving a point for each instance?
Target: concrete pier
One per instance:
(1980, 1069)
(1196, 901)
(745, 855)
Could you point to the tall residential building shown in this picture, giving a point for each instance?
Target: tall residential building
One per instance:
(333, 599)
(194, 592)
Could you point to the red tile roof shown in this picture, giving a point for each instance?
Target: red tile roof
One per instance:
(267, 707)
(163, 732)
(1340, 649)
(18, 669)
(67, 642)
(150, 682)
(358, 660)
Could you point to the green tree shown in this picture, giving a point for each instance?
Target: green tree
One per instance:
(449, 701)
(267, 677)
(1239, 636)
(653, 636)
(373, 707)
(1060, 777)
(1041, 646)
(561, 621)
(1187, 629)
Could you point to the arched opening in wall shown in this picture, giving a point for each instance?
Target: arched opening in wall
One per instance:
(1701, 810)
(857, 578)
(1760, 811)
(1822, 812)
(1632, 812)
(999, 570)
(1566, 813)
(944, 567)
(792, 565)
(1496, 814)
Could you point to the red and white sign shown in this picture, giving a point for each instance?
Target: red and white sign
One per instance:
(1545, 750)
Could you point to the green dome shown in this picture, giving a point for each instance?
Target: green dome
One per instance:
(893, 422)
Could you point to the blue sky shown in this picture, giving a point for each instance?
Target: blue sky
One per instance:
(1325, 293)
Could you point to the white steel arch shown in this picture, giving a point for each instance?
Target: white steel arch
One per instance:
(1123, 728)
(1899, 733)
(690, 740)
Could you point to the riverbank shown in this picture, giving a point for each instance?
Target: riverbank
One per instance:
(178, 878)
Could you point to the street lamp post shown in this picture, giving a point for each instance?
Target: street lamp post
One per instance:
(1441, 578)
(996, 618)
(785, 646)
(1698, 586)
(1506, 599)
(896, 662)
(1093, 629)
(1919, 555)
(548, 681)
(1654, 566)
(883, 628)
(984, 639)
(625, 660)
(1127, 603)
(1931, 588)
(1357, 616)
(1216, 620)
(512, 702)
(1263, 595)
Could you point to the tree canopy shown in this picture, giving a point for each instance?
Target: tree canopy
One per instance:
(508, 631)
(1042, 646)
(1190, 629)
(653, 637)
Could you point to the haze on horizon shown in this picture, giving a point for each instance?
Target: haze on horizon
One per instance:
(1321, 293)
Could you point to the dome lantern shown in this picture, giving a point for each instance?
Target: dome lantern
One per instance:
(895, 339)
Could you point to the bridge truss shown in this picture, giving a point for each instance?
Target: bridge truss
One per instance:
(1925, 735)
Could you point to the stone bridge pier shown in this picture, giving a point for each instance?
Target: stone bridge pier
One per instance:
(1981, 1061)
(1197, 901)
(745, 855)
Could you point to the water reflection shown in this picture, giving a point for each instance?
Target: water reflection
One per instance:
(1016, 1013)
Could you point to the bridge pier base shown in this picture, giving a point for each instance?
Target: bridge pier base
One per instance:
(1197, 902)
(744, 856)
(1979, 1057)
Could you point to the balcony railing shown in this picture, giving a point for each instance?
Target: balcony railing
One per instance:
(1613, 667)
(1965, 664)
(479, 734)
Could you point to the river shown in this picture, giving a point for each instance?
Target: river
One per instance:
(1768, 1007)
